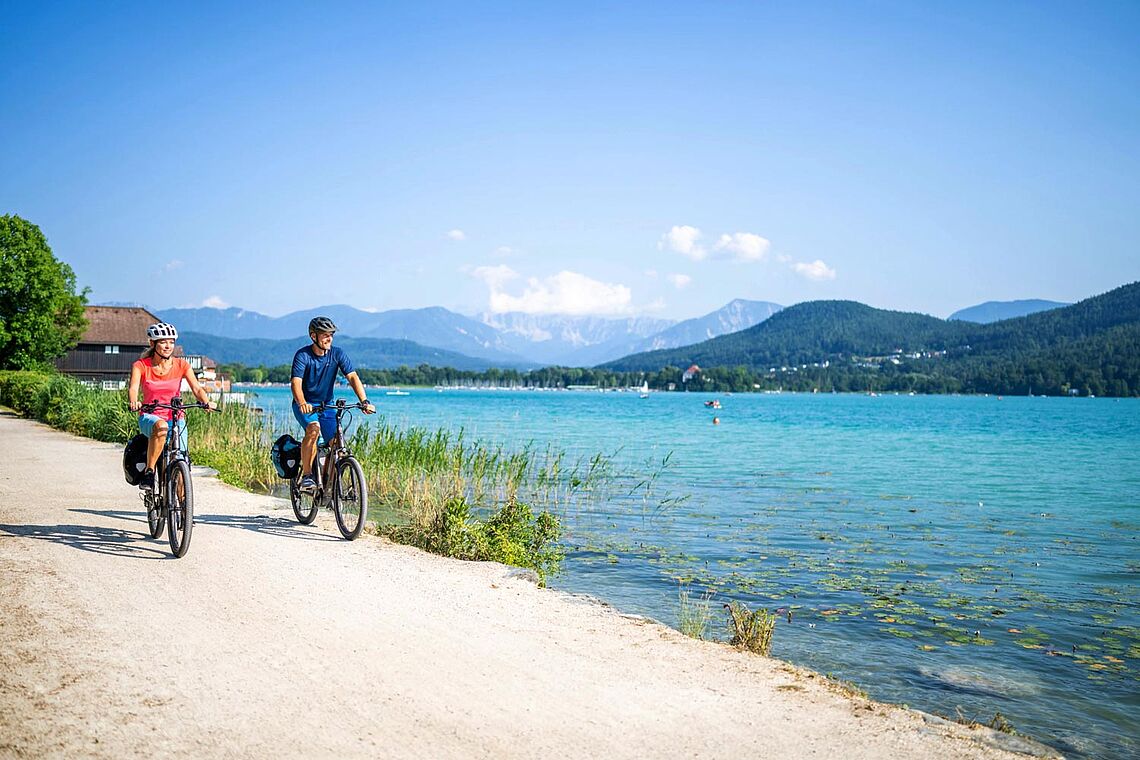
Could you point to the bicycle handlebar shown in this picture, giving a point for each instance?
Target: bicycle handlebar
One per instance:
(158, 405)
(339, 405)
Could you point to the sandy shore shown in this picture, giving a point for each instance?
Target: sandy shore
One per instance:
(273, 639)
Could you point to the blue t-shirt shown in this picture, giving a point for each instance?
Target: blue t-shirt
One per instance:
(318, 373)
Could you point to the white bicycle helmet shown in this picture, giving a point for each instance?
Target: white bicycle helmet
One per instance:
(161, 331)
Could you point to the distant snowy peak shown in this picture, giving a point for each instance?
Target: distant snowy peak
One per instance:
(572, 330)
(734, 316)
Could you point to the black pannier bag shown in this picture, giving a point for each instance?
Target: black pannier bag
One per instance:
(134, 458)
(286, 456)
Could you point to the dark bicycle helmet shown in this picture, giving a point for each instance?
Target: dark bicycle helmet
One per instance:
(161, 330)
(321, 324)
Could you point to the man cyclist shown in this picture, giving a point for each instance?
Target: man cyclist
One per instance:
(313, 378)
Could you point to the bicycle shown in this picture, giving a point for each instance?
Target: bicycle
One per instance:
(171, 502)
(346, 492)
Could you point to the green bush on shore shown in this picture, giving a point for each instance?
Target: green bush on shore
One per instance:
(429, 486)
(68, 405)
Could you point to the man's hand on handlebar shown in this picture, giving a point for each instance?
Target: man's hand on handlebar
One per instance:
(305, 407)
(367, 407)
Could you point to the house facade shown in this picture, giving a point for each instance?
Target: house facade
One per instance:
(114, 339)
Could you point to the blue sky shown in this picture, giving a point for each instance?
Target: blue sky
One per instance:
(633, 158)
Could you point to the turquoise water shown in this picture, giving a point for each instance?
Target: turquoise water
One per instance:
(962, 555)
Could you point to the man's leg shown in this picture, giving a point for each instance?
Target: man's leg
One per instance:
(309, 448)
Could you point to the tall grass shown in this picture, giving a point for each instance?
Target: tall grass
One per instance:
(694, 615)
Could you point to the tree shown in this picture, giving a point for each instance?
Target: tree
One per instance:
(41, 315)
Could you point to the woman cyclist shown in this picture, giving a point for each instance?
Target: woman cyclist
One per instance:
(160, 374)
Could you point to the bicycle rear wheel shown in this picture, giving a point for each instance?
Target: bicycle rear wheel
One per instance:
(155, 517)
(350, 498)
(180, 497)
(304, 506)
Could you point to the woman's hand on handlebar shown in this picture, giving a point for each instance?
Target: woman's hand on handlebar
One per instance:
(134, 405)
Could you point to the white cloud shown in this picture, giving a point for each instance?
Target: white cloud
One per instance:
(564, 293)
(743, 246)
(215, 302)
(651, 273)
(456, 235)
(504, 251)
(816, 270)
(680, 280)
(173, 264)
(683, 239)
(494, 277)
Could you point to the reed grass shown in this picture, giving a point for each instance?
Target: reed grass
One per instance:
(694, 615)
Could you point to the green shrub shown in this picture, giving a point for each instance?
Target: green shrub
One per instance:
(513, 535)
(64, 403)
(750, 630)
(21, 390)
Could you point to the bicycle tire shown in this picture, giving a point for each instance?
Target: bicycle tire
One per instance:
(305, 507)
(180, 520)
(155, 517)
(350, 498)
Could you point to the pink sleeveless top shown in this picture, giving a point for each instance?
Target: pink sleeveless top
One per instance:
(162, 389)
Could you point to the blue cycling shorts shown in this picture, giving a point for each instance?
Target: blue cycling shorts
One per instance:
(148, 421)
(327, 418)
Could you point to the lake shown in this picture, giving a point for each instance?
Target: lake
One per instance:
(962, 555)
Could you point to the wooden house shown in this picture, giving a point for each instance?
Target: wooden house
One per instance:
(114, 339)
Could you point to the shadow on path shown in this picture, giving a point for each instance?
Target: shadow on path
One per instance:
(274, 526)
(90, 538)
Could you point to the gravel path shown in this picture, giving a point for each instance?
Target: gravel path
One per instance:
(270, 639)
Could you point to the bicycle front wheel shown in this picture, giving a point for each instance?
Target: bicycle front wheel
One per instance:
(304, 507)
(180, 497)
(350, 498)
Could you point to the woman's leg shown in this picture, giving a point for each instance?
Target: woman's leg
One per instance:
(154, 428)
(154, 446)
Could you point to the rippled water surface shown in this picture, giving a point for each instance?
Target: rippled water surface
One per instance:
(963, 555)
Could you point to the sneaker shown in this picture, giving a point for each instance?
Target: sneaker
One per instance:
(146, 481)
(308, 484)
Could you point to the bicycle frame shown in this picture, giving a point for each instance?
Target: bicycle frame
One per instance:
(332, 456)
(174, 457)
(340, 481)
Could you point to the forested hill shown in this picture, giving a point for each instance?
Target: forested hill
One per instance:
(374, 353)
(1090, 347)
(1083, 320)
(812, 332)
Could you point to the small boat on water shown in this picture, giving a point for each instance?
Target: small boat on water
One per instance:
(396, 392)
(644, 390)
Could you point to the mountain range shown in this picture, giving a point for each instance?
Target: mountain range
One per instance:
(995, 311)
(506, 340)
(1099, 332)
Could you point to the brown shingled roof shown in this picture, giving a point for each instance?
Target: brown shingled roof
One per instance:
(117, 324)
